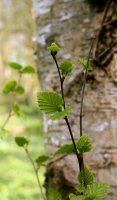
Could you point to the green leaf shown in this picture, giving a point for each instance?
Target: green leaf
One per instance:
(3, 132)
(85, 63)
(84, 144)
(21, 141)
(53, 195)
(82, 61)
(80, 188)
(74, 197)
(41, 159)
(9, 87)
(66, 67)
(54, 48)
(65, 149)
(89, 178)
(49, 102)
(97, 191)
(61, 114)
(19, 90)
(16, 110)
(15, 66)
(28, 70)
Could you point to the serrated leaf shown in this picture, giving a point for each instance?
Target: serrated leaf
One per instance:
(85, 63)
(53, 195)
(15, 65)
(28, 70)
(19, 90)
(65, 149)
(84, 144)
(49, 102)
(21, 141)
(61, 114)
(87, 173)
(66, 67)
(97, 191)
(74, 197)
(41, 159)
(80, 188)
(53, 48)
(9, 87)
(82, 61)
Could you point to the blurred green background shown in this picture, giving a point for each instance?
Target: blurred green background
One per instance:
(17, 178)
(17, 30)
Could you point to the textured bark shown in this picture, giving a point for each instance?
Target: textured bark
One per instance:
(71, 24)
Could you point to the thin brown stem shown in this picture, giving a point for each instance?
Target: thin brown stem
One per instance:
(101, 26)
(81, 109)
(10, 114)
(83, 87)
(36, 173)
(106, 11)
(54, 160)
(81, 115)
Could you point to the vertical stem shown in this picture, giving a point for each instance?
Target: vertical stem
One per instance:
(61, 80)
(81, 108)
(105, 11)
(66, 119)
(36, 172)
(73, 141)
(83, 87)
(98, 34)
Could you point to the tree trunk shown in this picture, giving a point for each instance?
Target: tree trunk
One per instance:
(72, 24)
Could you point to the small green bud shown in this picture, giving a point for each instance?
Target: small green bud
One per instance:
(53, 48)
